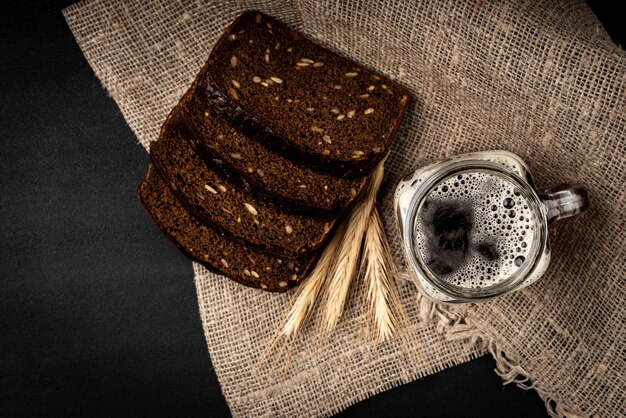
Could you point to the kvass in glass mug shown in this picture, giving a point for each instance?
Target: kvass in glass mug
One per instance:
(473, 227)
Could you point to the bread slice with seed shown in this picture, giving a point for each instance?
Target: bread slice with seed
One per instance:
(229, 204)
(219, 254)
(262, 167)
(301, 99)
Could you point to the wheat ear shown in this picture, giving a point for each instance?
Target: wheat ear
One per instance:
(308, 294)
(379, 273)
(348, 256)
(304, 301)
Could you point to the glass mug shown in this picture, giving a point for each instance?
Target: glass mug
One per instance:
(473, 227)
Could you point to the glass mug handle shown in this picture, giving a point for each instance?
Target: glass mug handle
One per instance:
(565, 200)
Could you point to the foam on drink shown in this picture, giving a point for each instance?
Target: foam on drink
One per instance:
(474, 229)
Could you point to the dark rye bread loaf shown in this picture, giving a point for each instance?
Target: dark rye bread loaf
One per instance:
(262, 167)
(219, 254)
(301, 99)
(226, 203)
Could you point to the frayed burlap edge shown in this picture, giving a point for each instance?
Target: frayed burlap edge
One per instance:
(454, 326)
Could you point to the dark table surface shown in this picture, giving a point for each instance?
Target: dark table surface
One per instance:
(98, 313)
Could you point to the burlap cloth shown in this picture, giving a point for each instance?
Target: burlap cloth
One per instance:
(541, 79)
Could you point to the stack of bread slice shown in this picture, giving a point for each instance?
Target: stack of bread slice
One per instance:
(265, 152)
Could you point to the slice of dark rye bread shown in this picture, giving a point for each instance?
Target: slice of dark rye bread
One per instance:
(223, 202)
(261, 166)
(301, 99)
(217, 253)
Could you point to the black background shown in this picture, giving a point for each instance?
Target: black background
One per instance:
(98, 313)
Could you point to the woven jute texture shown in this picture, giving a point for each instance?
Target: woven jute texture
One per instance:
(541, 79)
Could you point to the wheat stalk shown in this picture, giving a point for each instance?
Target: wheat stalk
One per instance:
(349, 255)
(304, 300)
(379, 272)
(308, 294)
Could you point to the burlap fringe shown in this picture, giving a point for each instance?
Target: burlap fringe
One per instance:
(454, 326)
